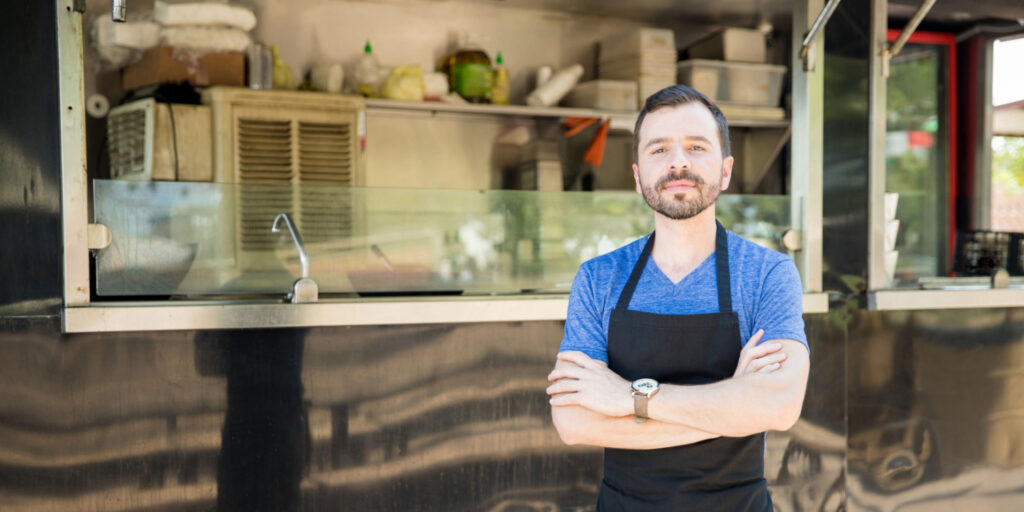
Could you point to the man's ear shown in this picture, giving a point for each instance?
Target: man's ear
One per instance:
(727, 171)
(636, 179)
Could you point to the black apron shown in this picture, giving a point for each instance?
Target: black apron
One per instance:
(724, 474)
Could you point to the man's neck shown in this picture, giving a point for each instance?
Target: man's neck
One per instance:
(681, 245)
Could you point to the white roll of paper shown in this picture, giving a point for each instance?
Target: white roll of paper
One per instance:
(556, 88)
(97, 105)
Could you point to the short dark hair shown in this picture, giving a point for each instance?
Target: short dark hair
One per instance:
(674, 96)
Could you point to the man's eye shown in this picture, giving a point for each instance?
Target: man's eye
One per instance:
(696, 148)
(658, 150)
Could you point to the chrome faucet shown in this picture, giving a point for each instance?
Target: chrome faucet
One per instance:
(304, 289)
(119, 10)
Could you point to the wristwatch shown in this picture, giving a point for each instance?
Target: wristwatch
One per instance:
(643, 390)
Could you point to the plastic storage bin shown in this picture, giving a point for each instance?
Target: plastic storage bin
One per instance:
(734, 82)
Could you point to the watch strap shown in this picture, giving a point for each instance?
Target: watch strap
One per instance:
(640, 406)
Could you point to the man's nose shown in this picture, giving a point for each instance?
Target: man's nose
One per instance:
(678, 159)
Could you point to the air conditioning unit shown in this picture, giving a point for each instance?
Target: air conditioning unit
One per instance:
(294, 152)
(160, 141)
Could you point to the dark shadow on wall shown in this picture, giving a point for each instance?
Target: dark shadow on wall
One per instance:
(265, 441)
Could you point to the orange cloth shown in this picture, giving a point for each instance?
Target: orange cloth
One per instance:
(577, 124)
(595, 152)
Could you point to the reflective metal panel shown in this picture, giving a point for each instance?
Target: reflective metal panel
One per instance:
(30, 225)
(936, 417)
(442, 417)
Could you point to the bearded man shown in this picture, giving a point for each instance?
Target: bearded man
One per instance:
(682, 348)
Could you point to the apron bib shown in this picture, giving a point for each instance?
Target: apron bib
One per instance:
(724, 474)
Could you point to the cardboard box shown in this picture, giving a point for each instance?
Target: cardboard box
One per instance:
(159, 65)
(732, 44)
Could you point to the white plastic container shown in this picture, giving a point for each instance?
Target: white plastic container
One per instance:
(604, 95)
(734, 82)
(555, 89)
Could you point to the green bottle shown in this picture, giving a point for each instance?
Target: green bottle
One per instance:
(367, 73)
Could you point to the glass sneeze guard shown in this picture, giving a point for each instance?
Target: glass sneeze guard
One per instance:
(206, 240)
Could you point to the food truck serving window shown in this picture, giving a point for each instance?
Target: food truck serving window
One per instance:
(937, 238)
(245, 207)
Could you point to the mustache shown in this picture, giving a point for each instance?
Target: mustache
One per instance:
(683, 175)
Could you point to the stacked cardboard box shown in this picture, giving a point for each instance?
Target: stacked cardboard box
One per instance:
(644, 55)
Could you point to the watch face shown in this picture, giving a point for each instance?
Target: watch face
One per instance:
(645, 386)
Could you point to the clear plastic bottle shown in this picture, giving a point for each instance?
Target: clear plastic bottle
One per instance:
(500, 85)
(368, 73)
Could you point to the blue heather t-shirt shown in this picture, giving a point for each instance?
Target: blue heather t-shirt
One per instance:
(766, 294)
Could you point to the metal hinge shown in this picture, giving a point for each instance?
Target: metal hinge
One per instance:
(807, 49)
(897, 45)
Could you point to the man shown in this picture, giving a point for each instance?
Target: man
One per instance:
(653, 365)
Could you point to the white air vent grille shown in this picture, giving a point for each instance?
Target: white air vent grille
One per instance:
(294, 152)
(260, 205)
(325, 214)
(264, 151)
(127, 136)
(325, 153)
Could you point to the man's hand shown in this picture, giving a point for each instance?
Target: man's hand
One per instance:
(581, 380)
(756, 358)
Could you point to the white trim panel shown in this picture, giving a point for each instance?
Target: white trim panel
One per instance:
(158, 317)
(99, 318)
(894, 300)
(74, 207)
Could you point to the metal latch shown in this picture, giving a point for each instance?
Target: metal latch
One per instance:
(1000, 278)
(304, 289)
(793, 240)
(98, 236)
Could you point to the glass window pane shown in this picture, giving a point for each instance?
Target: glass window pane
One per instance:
(917, 167)
(204, 239)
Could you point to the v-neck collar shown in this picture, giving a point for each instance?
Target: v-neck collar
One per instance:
(710, 260)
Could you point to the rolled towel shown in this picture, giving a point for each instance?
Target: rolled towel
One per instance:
(201, 13)
(205, 39)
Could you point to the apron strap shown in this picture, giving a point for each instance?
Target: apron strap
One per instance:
(721, 272)
(722, 269)
(634, 278)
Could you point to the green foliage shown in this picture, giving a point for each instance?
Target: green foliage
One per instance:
(1008, 164)
(913, 90)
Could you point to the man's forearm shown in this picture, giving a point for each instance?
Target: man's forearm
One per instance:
(578, 425)
(740, 406)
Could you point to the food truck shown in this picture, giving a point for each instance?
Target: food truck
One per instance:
(232, 281)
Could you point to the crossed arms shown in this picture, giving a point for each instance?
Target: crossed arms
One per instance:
(592, 405)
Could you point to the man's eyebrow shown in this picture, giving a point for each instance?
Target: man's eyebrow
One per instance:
(660, 140)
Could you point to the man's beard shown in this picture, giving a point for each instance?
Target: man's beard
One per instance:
(680, 208)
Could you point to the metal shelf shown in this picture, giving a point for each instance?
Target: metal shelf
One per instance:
(619, 120)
